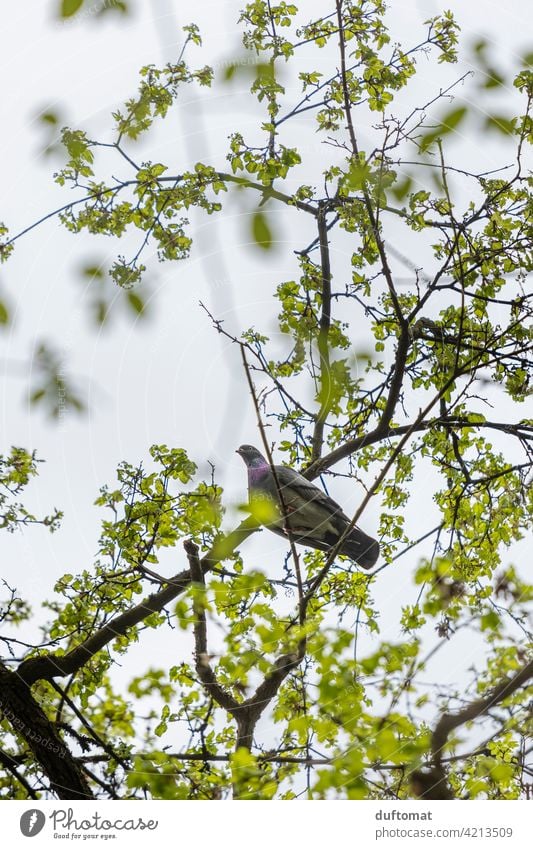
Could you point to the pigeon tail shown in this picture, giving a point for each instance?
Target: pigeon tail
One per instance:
(361, 548)
(357, 546)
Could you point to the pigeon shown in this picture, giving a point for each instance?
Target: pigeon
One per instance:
(312, 517)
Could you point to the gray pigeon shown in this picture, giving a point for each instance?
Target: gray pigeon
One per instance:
(315, 519)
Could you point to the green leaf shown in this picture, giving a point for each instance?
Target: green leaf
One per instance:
(447, 125)
(401, 189)
(93, 271)
(70, 7)
(493, 79)
(136, 303)
(490, 621)
(229, 71)
(261, 231)
(263, 510)
(4, 314)
(49, 118)
(500, 123)
(358, 173)
(37, 396)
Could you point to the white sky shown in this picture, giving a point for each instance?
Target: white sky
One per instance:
(170, 379)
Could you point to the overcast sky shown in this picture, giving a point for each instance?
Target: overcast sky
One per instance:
(169, 378)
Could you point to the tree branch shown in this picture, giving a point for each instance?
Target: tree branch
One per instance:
(355, 150)
(450, 721)
(10, 765)
(323, 337)
(28, 721)
(204, 669)
(521, 431)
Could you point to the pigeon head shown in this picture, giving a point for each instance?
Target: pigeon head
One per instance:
(251, 456)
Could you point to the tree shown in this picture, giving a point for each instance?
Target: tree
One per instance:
(350, 712)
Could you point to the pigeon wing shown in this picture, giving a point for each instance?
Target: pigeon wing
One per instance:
(309, 509)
